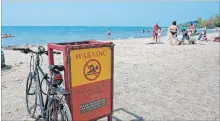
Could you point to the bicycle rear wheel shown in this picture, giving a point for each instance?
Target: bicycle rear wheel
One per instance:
(58, 110)
(31, 95)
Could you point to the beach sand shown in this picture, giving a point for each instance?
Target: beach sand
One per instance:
(155, 82)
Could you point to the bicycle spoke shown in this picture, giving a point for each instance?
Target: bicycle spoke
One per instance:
(59, 112)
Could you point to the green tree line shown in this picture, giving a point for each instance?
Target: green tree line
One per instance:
(210, 23)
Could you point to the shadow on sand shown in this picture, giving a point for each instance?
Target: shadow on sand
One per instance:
(128, 113)
(151, 43)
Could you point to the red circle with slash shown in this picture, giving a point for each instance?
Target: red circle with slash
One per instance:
(92, 69)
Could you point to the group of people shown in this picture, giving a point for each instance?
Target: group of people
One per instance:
(173, 31)
(187, 35)
(148, 31)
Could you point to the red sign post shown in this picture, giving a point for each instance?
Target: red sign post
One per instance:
(88, 76)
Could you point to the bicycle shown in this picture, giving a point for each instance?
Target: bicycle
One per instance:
(54, 104)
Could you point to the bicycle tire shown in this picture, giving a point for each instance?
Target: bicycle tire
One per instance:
(57, 102)
(29, 82)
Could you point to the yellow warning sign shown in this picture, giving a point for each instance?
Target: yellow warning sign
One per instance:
(90, 65)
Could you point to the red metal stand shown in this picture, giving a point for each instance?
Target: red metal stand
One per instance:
(66, 48)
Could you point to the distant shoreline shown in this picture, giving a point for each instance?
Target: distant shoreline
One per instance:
(112, 40)
(49, 34)
(85, 26)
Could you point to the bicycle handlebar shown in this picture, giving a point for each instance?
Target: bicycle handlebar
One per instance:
(28, 50)
(24, 50)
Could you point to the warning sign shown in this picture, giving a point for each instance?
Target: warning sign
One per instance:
(90, 65)
(92, 70)
(88, 77)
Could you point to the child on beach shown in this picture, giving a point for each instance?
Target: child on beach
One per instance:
(155, 29)
(159, 34)
(202, 36)
(184, 37)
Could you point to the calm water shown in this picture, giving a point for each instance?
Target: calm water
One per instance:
(45, 34)
(53, 34)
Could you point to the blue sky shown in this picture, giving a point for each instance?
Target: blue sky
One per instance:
(106, 13)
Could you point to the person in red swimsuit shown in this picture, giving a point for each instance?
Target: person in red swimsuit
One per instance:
(191, 29)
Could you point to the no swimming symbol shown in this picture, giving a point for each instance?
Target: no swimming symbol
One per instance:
(92, 70)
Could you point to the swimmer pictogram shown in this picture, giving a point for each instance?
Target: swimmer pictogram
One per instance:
(92, 69)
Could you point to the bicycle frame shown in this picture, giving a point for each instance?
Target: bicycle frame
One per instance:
(38, 69)
(54, 88)
(43, 105)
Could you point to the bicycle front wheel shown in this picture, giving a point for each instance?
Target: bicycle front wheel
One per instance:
(58, 110)
(31, 95)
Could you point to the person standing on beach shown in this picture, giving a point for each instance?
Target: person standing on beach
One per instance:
(155, 31)
(109, 33)
(159, 34)
(173, 29)
(191, 29)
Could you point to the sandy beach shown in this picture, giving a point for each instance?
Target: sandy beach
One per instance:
(154, 82)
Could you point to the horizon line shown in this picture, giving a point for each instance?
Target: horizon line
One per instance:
(70, 26)
(112, 1)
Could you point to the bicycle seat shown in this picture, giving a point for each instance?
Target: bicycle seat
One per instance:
(56, 67)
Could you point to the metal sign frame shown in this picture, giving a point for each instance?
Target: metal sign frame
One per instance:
(66, 48)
